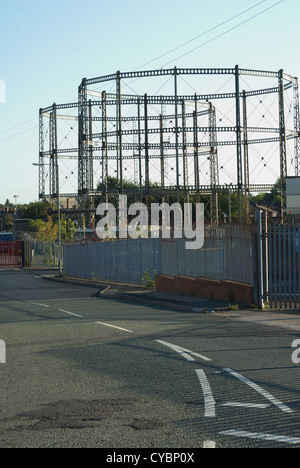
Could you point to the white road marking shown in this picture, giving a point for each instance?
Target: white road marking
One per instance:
(186, 353)
(237, 404)
(70, 313)
(209, 402)
(209, 444)
(260, 390)
(261, 436)
(113, 326)
(41, 305)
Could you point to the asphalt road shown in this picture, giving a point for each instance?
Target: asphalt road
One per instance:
(84, 371)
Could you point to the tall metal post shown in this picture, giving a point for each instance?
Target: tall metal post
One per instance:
(246, 160)
(91, 148)
(162, 160)
(53, 154)
(104, 146)
(59, 224)
(239, 142)
(42, 187)
(214, 201)
(196, 147)
(140, 151)
(176, 134)
(119, 134)
(260, 263)
(282, 129)
(91, 198)
(83, 147)
(147, 175)
(184, 146)
(297, 127)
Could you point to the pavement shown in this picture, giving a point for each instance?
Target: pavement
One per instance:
(287, 319)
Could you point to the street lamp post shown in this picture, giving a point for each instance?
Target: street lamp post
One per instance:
(16, 203)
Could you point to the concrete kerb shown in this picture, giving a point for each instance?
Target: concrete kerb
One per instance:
(288, 319)
(141, 295)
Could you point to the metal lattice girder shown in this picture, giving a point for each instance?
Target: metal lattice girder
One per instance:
(42, 181)
(142, 132)
(83, 153)
(297, 127)
(171, 190)
(54, 189)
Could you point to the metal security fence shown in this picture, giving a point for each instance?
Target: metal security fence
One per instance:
(123, 261)
(227, 254)
(278, 266)
(10, 254)
(40, 254)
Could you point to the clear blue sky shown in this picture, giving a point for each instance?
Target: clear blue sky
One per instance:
(48, 46)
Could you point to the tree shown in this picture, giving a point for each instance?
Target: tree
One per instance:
(35, 210)
(7, 222)
(47, 231)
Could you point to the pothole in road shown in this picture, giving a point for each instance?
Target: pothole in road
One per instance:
(74, 414)
(146, 424)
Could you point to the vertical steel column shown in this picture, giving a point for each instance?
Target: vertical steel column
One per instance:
(271, 248)
(260, 262)
(214, 201)
(239, 142)
(140, 151)
(184, 147)
(176, 134)
(266, 255)
(162, 160)
(147, 175)
(104, 146)
(295, 253)
(246, 160)
(119, 134)
(282, 128)
(41, 156)
(196, 147)
(297, 127)
(91, 198)
(50, 154)
(83, 148)
(91, 149)
(53, 154)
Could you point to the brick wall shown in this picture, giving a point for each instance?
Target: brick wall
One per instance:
(210, 289)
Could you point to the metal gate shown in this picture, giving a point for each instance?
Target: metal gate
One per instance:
(278, 265)
(10, 254)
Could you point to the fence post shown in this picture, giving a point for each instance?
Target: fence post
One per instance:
(260, 261)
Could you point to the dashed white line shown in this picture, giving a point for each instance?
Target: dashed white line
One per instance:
(70, 313)
(41, 305)
(260, 390)
(261, 436)
(113, 326)
(209, 402)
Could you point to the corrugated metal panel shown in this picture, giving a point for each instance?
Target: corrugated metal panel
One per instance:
(120, 261)
(226, 255)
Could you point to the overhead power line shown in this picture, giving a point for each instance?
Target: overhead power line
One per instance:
(202, 34)
(227, 31)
